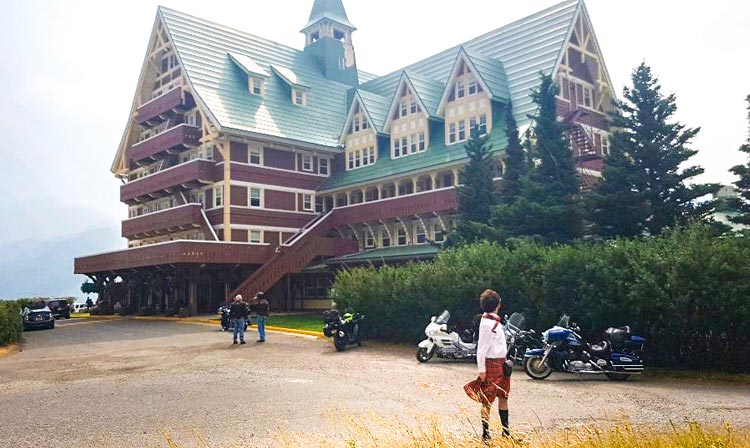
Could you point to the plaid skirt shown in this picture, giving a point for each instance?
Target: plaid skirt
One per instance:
(495, 384)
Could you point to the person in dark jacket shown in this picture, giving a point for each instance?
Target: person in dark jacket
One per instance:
(238, 313)
(261, 307)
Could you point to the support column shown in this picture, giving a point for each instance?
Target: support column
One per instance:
(433, 181)
(455, 177)
(193, 291)
(226, 153)
(397, 184)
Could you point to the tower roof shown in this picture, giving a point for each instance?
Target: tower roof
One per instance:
(329, 9)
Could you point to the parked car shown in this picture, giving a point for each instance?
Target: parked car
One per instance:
(59, 307)
(80, 307)
(37, 315)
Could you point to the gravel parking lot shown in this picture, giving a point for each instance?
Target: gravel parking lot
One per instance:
(127, 383)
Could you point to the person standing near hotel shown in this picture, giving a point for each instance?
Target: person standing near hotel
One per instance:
(491, 353)
(238, 313)
(261, 307)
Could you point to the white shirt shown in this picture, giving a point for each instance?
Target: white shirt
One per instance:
(491, 345)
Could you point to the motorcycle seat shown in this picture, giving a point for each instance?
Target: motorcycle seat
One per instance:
(600, 349)
(467, 336)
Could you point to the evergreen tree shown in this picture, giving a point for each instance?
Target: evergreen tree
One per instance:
(644, 189)
(548, 208)
(742, 203)
(516, 165)
(476, 194)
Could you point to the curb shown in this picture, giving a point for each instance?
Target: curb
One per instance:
(9, 349)
(184, 320)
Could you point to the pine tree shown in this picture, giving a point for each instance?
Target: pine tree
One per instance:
(742, 203)
(516, 165)
(644, 190)
(476, 194)
(548, 208)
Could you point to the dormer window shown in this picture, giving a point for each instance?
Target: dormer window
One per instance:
(460, 89)
(299, 97)
(256, 86)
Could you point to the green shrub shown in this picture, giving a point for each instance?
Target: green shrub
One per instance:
(11, 325)
(687, 292)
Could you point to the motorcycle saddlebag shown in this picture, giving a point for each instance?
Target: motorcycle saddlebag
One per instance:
(331, 316)
(617, 336)
(328, 331)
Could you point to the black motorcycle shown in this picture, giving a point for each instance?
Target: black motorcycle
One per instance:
(519, 339)
(343, 329)
(226, 322)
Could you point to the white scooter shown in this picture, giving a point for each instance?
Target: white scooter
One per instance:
(446, 343)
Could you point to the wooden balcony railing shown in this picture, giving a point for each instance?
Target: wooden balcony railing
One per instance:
(174, 252)
(171, 141)
(162, 107)
(184, 176)
(175, 219)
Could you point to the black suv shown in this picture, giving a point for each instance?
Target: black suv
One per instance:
(60, 308)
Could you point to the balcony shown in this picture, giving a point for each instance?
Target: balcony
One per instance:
(173, 253)
(171, 141)
(434, 201)
(185, 176)
(162, 107)
(177, 219)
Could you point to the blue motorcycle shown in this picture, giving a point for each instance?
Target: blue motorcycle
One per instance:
(618, 356)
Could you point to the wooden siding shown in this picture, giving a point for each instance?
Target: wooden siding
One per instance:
(166, 221)
(443, 200)
(164, 106)
(260, 175)
(279, 200)
(277, 158)
(173, 252)
(239, 195)
(270, 218)
(178, 137)
(240, 235)
(238, 152)
(188, 175)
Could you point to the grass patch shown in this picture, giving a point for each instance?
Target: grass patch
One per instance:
(699, 376)
(308, 322)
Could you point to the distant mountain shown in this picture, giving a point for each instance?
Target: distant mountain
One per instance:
(33, 268)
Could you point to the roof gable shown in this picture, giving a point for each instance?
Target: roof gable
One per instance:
(247, 65)
(498, 78)
(374, 107)
(404, 82)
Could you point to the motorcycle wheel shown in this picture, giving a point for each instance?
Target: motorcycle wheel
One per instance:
(535, 369)
(339, 343)
(617, 376)
(423, 356)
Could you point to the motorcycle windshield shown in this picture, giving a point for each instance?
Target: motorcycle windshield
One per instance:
(443, 318)
(516, 322)
(564, 321)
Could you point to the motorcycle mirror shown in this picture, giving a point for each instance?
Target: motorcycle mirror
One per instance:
(433, 318)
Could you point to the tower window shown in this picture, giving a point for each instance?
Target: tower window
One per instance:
(315, 36)
(339, 35)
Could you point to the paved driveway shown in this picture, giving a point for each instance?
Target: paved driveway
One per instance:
(125, 383)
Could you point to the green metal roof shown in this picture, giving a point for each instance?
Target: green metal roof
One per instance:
(328, 9)
(492, 73)
(417, 252)
(221, 85)
(428, 90)
(376, 106)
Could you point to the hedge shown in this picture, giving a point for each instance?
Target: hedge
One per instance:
(687, 292)
(11, 325)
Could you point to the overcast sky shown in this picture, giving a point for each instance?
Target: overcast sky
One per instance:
(69, 71)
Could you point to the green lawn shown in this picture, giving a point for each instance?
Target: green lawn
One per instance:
(309, 322)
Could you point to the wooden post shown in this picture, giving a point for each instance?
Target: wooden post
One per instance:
(193, 291)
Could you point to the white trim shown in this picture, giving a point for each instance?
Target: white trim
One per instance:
(393, 198)
(305, 173)
(396, 100)
(165, 210)
(262, 228)
(462, 55)
(242, 183)
(247, 207)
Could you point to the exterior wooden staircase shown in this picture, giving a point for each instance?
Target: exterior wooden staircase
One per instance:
(579, 135)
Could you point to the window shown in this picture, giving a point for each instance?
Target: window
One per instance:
(255, 236)
(369, 239)
(318, 204)
(460, 89)
(254, 156)
(310, 288)
(323, 166)
(356, 124)
(587, 97)
(404, 109)
(483, 124)
(307, 202)
(404, 146)
(255, 197)
(439, 235)
(323, 285)
(565, 88)
(461, 131)
(256, 86)
(210, 153)
(299, 97)
(452, 133)
(420, 234)
(351, 159)
(414, 143)
(421, 142)
(396, 149)
(472, 87)
(218, 196)
(357, 159)
(307, 162)
(385, 238)
(401, 237)
(605, 144)
(414, 106)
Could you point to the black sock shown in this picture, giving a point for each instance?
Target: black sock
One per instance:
(485, 429)
(504, 421)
